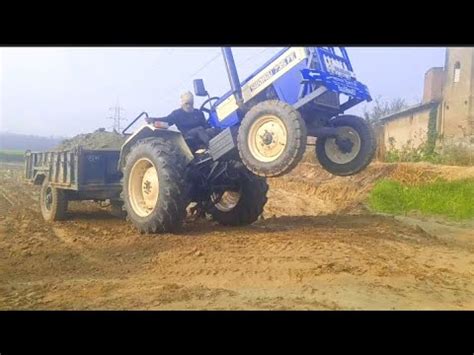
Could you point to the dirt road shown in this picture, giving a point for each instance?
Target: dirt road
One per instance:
(317, 247)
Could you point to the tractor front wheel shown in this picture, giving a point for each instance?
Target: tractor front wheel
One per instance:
(351, 151)
(272, 138)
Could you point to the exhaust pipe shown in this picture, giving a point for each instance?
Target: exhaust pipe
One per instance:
(233, 76)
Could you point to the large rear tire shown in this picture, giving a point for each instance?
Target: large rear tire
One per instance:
(272, 138)
(243, 207)
(351, 151)
(154, 191)
(53, 202)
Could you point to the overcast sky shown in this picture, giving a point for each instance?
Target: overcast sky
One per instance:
(66, 91)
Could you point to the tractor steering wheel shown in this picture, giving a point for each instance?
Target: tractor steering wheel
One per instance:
(209, 100)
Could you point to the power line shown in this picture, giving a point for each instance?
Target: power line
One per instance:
(171, 91)
(257, 54)
(205, 65)
(245, 64)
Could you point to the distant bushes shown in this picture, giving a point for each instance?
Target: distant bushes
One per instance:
(447, 154)
(14, 141)
(12, 156)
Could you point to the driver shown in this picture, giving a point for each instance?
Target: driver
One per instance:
(189, 121)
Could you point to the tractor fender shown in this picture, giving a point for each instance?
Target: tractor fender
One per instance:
(174, 137)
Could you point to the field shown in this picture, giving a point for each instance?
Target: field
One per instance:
(11, 155)
(318, 246)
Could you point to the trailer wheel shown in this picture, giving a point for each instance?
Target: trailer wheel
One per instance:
(351, 151)
(272, 138)
(53, 202)
(242, 207)
(154, 191)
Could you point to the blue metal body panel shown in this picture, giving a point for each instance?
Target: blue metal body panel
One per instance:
(251, 76)
(329, 67)
(285, 86)
(229, 121)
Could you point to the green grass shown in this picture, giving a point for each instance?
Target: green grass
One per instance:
(451, 199)
(11, 155)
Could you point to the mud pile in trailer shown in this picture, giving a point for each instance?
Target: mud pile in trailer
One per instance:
(100, 139)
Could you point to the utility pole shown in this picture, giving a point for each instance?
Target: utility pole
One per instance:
(117, 117)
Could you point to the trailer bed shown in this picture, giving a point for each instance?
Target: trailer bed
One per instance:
(86, 173)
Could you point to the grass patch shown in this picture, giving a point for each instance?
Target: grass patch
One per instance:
(12, 155)
(451, 199)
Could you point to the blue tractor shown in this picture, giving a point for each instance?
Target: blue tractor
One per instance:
(298, 93)
(263, 123)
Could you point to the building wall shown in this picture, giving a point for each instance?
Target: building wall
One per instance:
(410, 130)
(454, 86)
(457, 118)
(433, 85)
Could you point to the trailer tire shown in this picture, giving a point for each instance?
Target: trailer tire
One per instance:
(154, 167)
(272, 138)
(249, 205)
(53, 202)
(362, 138)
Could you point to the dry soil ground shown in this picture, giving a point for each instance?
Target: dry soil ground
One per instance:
(317, 247)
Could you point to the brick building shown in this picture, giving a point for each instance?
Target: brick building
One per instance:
(448, 100)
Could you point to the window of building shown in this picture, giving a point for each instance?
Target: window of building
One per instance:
(457, 72)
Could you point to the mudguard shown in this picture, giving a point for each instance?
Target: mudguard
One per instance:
(175, 138)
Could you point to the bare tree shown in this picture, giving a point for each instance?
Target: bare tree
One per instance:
(381, 108)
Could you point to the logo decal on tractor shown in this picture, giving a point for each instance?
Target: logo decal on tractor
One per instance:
(274, 70)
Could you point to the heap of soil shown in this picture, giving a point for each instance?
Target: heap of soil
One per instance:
(100, 139)
(311, 190)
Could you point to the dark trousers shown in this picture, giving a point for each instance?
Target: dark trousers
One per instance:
(199, 137)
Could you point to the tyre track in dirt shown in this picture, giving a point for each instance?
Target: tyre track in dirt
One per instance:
(306, 253)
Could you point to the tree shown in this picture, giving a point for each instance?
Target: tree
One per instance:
(381, 108)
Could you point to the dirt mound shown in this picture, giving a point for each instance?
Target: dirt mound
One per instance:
(100, 139)
(416, 173)
(310, 190)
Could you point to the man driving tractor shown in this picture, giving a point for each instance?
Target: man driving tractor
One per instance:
(191, 122)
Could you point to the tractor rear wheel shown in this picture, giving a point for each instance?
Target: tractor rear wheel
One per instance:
(272, 138)
(154, 191)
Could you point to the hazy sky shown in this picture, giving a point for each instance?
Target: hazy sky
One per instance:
(66, 91)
